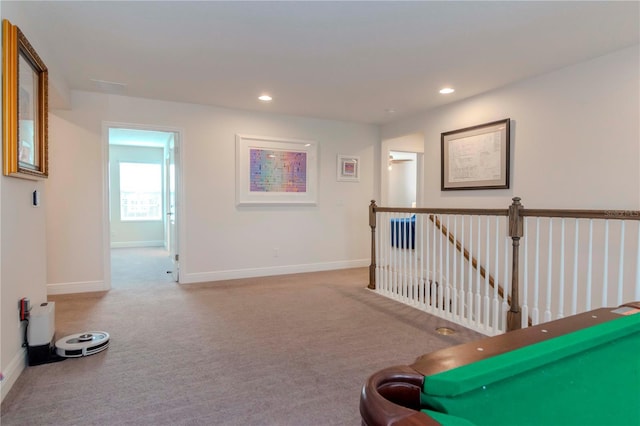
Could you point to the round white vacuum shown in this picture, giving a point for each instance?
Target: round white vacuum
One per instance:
(82, 344)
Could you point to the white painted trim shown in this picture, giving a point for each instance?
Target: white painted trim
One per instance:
(232, 274)
(128, 244)
(13, 371)
(106, 222)
(77, 287)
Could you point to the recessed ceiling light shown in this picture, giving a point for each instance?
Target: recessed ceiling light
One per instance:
(265, 98)
(390, 111)
(446, 90)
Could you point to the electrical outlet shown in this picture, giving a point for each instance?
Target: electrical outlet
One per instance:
(275, 251)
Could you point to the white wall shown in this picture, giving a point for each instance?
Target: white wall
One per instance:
(22, 258)
(23, 266)
(575, 137)
(218, 240)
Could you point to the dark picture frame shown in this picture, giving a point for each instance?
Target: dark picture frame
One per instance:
(476, 157)
(25, 107)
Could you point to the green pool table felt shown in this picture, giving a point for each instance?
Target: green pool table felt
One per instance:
(587, 377)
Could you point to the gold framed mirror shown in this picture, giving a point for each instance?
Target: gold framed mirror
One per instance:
(25, 107)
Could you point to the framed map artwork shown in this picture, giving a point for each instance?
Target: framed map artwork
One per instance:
(476, 157)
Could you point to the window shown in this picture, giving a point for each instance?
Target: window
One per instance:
(140, 191)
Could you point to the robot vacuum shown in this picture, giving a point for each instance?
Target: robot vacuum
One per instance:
(82, 344)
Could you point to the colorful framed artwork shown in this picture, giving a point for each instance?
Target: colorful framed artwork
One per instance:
(272, 170)
(348, 168)
(24, 107)
(476, 157)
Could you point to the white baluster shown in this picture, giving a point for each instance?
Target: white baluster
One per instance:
(496, 283)
(589, 266)
(619, 300)
(403, 260)
(605, 272)
(455, 307)
(561, 295)
(389, 258)
(447, 291)
(421, 258)
(378, 257)
(478, 300)
(407, 261)
(380, 241)
(461, 310)
(536, 276)
(487, 262)
(416, 274)
(428, 264)
(440, 270)
(434, 276)
(574, 292)
(525, 278)
(394, 256)
(547, 312)
(386, 245)
(637, 295)
(470, 308)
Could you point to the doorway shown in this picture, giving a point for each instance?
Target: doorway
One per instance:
(403, 179)
(141, 235)
(402, 171)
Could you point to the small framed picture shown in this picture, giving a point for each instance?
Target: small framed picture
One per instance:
(348, 168)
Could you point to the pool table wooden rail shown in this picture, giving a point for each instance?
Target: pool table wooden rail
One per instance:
(392, 396)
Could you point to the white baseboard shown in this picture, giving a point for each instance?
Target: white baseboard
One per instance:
(134, 244)
(201, 277)
(11, 374)
(79, 287)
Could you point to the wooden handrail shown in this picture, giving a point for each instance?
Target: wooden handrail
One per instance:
(418, 210)
(583, 214)
(556, 213)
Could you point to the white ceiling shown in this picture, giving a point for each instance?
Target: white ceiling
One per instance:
(336, 60)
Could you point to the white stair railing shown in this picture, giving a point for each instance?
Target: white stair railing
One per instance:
(573, 265)
(418, 262)
(465, 265)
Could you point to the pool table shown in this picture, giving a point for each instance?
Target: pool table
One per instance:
(579, 370)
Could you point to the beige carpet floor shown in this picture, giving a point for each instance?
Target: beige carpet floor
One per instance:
(286, 350)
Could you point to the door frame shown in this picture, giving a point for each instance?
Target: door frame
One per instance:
(106, 224)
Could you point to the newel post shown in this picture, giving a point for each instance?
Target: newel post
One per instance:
(514, 316)
(372, 224)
